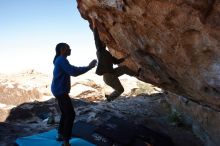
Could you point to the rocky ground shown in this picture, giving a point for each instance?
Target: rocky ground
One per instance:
(140, 104)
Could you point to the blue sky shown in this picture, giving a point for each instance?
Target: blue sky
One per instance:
(30, 30)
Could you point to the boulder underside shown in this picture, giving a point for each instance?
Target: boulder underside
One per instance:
(174, 42)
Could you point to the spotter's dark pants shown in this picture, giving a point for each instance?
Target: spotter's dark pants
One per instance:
(67, 116)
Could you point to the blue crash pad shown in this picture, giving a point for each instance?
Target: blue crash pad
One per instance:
(49, 139)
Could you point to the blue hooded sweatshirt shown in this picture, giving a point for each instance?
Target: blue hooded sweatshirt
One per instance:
(61, 75)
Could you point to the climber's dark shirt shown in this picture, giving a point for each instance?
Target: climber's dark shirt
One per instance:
(105, 59)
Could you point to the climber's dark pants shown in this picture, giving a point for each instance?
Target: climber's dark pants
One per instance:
(112, 80)
(67, 116)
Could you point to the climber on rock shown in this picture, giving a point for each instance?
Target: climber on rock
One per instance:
(105, 66)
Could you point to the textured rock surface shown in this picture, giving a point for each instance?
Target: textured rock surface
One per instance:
(175, 42)
(140, 104)
(23, 87)
(204, 121)
(29, 118)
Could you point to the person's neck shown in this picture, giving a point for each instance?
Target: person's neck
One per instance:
(63, 55)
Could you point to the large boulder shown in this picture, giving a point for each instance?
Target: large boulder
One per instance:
(174, 42)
